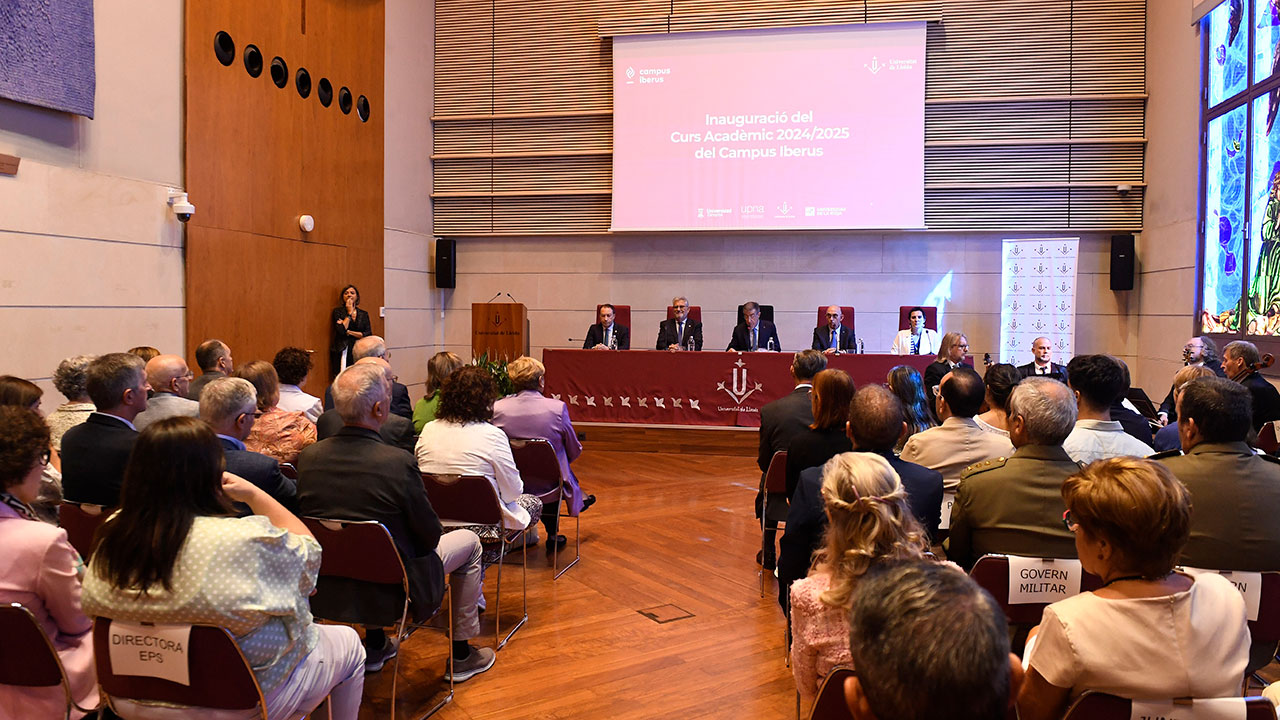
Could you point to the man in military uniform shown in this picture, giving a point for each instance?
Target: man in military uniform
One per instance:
(1014, 505)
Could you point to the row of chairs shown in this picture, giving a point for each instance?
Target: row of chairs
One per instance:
(361, 551)
(622, 315)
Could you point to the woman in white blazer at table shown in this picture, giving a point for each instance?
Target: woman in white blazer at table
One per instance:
(928, 342)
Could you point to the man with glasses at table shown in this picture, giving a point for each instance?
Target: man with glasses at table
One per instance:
(833, 337)
(679, 333)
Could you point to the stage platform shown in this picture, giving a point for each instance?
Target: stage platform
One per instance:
(680, 439)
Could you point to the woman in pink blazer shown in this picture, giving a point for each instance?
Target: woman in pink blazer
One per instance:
(528, 414)
(40, 570)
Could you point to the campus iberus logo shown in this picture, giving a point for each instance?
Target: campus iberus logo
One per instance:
(741, 388)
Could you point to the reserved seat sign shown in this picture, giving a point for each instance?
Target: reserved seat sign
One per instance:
(1042, 580)
(1231, 708)
(1248, 583)
(158, 651)
(948, 499)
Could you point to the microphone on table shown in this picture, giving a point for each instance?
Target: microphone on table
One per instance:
(509, 296)
(861, 348)
(495, 297)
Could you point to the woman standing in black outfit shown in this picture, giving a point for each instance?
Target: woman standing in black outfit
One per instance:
(348, 324)
(832, 392)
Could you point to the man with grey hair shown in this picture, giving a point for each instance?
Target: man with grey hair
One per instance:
(355, 475)
(1240, 360)
(928, 643)
(679, 333)
(1014, 505)
(95, 452)
(396, 431)
(69, 378)
(229, 405)
(170, 380)
(1201, 351)
(373, 346)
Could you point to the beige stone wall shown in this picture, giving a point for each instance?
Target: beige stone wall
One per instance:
(92, 255)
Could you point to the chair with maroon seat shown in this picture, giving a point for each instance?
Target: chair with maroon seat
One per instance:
(930, 316)
(81, 521)
(1267, 441)
(472, 500)
(621, 314)
(774, 482)
(289, 471)
(540, 471)
(991, 572)
(1102, 706)
(695, 313)
(364, 551)
(830, 703)
(219, 675)
(28, 658)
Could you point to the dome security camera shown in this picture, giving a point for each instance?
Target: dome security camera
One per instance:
(181, 206)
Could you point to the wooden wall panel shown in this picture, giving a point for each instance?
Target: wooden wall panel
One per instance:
(258, 156)
(1032, 112)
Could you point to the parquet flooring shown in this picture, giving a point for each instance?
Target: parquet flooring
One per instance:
(667, 530)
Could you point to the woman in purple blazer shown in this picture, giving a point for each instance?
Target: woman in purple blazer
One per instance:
(528, 414)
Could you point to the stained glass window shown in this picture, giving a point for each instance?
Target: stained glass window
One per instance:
(1265, 39)
(1228, 50)
(1224, 215)
(1264, 221)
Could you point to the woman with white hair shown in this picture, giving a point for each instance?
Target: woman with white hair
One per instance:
(868, 521)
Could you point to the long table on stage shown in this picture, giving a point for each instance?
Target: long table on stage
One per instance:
(689, 388)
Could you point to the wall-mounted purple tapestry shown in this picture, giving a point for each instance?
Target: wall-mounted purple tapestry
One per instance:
(46, 53)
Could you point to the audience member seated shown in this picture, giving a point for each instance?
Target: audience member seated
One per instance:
(1198, 352)
(875, 423)
(1125, 413)
(780, 421)
(951, 352)
(905, 382)
(69, 379)
(19, 393)
(528, 414)
(607, 334)
(1000, 380)
(1098, 381)
(915, 339)
(833, 337)
(228, 405)
(1166, 438)
(170, 380)
(1042, 364)
(372, 346)
(276, 432)
(462, 441)
(172, 554)
(355, 475)
(1148, 632)
(146, 352)
(94, 453)
(753, 333)
(40, 570)
(214, 359)
(293, 367)
(928, 643)
(396, 431)
(870, 523)
(1237, 359)
(1012, 505)
(680, 332)
(440, 366)
(958, 442)
(825, 437)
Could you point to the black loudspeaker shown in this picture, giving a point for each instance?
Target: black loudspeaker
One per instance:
(446, 263)
(1122, 262)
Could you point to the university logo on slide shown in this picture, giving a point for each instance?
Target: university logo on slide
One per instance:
(741, 388)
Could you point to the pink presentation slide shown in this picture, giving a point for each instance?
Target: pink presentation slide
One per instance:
(802, 128)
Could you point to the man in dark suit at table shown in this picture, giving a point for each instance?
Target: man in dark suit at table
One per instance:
(678, 332)
(833, 337)
(1043, 365)
(607, 334)
(876, 420)
(780, 421)
(753, 333)
(95, 452)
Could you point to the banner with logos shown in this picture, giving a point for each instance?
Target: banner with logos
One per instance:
(1038, 298)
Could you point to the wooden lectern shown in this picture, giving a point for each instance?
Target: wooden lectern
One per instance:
(499, 330)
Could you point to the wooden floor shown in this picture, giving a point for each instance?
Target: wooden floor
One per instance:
(670, 535)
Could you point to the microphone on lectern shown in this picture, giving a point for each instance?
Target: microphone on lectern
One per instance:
(495, 297)
(509, 296)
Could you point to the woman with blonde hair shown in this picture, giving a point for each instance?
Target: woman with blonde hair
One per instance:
(869, 522)
(277, 433)
(951, 351)
(439, 367)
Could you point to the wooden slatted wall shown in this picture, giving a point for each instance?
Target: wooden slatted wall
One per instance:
(1034, 112)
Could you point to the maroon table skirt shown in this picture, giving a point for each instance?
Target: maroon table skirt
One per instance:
(689, 388)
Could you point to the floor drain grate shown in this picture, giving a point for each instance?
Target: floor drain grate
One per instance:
(664, 614)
